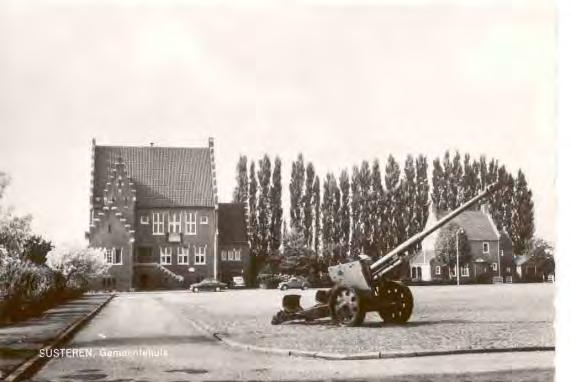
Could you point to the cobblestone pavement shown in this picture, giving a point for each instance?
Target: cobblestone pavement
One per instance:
(21, 341)
(444, 318)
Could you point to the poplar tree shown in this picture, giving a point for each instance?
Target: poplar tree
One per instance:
(240, 194)
(455, 182)
(396, 232)
(264, 177)
(356, 205)
(523, 225)
(438, 189)
(276, 207)
(308, 205)
(422, 192)
(317, 214)
(344, 214)
(327, 215)
(469, 180)
(378, 211)
(408, 195)
(253, 219)
(296, 192)
(366, 207)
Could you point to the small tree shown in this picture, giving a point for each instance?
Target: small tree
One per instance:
(298, 258)
(446, 245)
(78, 265)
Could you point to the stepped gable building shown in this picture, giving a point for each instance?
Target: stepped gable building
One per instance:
(490, 251)
(233, 238)
(154, 210)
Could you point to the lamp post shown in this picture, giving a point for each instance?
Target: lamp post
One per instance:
(458, 255)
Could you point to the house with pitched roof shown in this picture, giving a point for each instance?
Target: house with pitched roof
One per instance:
(491, 253)
(233, 242)
(154, 211)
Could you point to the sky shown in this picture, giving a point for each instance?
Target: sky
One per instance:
(340, 83)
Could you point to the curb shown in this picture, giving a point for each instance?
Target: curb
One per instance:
(358, 356)
(28, 368)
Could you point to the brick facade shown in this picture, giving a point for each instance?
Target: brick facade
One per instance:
(158, 207)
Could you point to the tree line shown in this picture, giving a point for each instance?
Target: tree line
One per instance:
(372, 208)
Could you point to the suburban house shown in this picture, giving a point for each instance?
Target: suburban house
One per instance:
(155, 212)
(491, 253)
(233, 239)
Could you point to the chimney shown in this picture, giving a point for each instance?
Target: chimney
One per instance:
(152, 144)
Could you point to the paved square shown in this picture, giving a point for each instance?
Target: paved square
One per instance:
(445, 318)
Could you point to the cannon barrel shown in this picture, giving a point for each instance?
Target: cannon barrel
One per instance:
(385, 261)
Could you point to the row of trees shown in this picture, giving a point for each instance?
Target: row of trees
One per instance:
(369, 210)
(33, 274)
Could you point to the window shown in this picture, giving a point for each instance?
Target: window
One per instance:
(224, 255)
(437, 270)
(508, 270)
(485, 247)
(118, 256)
(501, 252)
(182, 256)
(413, 273)
(190, 223)
(495, 266)
(158, 223)
(109, 256)
(204, 220)
(166, 255)
(237, 255)
(231, 255)
(465, 271)
(144, 219)
(114, 256)
(174, 222)
(200, 255)
(453, 271)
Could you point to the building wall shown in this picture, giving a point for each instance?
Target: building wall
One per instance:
(231, 268)
(148, 245)
(111, 233)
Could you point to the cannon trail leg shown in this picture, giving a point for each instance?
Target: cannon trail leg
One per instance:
(395, 302)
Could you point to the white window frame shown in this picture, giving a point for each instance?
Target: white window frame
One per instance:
(109, 255)
(175, 222)
(501, 252)
(182, 255)
(486, 247)
(145, 219)
(158, 223)
(231, 255)
(200, 255)
(203, 219)
(437, 270)
(508, 269)
(224, 255)
(465, 271)
(120, 256)
(453, 271)
(237, 255)
(166, 255)
(190, 223)
(494, 267)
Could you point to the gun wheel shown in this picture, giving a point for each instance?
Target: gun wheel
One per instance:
(346, 306)
(396, 302)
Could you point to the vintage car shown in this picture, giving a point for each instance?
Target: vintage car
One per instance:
(294, 283)
(209, 285)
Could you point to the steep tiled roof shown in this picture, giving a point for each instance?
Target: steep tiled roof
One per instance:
(163, 176)
(476, 224)
(232, 223)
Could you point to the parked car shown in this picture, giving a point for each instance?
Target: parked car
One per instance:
(208, 284)
(294, 283)
(238, 282)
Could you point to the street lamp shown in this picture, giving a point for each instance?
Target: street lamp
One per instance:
(458, 255)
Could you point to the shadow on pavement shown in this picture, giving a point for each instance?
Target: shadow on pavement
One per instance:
(143, 341)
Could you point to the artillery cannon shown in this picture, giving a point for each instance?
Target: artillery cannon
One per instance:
(362, 286)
